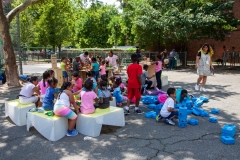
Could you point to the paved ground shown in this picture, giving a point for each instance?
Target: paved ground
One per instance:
(141, 138)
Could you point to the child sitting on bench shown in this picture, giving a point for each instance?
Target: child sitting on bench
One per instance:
(43, 85)
(168, 112)
(88, 98)
(120, 99)
(104, 96)
(62, 107)
(76, 81)
(50, 94)
(26, 95)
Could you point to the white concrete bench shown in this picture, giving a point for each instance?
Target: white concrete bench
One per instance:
(91, 124)
(164, 79)
(113, 102)
(17, 111)
(51, 127)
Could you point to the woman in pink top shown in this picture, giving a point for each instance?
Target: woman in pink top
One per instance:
(158, 70)
(43, 85)
(103, 70)
(76, 81)
(88, 98)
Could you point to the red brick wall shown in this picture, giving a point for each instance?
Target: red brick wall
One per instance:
(232, 41)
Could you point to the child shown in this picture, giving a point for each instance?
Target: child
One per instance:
(104, 95)
(26, 94)
(119, 81)
(158, 70)
(63, 66)
(43, 85)
(51, 72)
(168, 112)
(134, 72)
(88, 98)
(181, 94)
(76, 81)
(103, 70)
(117, 94)
(50, 94)
(62, 107)
(146, 78)
(90, 76)
(95, 68)
(111, 83)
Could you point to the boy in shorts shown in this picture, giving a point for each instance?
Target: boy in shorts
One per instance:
(168, 112)
(134, 72)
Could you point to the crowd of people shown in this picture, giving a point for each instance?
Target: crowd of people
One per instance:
(97, 92)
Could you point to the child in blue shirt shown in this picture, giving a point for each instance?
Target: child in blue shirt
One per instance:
(50, 94)
(95, 68)
(120, 99)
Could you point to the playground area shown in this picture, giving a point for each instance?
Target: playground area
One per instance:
(140, 138)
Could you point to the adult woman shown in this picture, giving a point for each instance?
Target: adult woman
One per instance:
(138, 53)
(112, 61)
(171, 59)
(204, 65)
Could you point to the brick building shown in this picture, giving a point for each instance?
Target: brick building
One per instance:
(231, 41)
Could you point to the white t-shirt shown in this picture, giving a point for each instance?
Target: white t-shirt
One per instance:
(84, 59)
(112, 60)
(168, 104)
(27, 90)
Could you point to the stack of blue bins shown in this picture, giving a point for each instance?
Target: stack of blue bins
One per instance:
(228, 132)
(182, 117)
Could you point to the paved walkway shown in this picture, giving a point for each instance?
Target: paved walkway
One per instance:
(141, 138)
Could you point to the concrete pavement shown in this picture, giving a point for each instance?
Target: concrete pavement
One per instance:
(141, 138)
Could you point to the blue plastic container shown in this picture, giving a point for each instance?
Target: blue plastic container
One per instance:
(177, 106)
(213, 119)
(189, 111)
(204, 114)
(229, 130)
(182, 125)
(192, 122)
(198, 103)
(227, 140)
(182, 112)
(194, 99)
(214, 111)
(150, 114)
(152, 106)
(23, 77)
(204, 99)
(189, 104)
(158, 108)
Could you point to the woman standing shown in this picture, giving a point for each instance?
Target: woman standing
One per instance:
(204, 65)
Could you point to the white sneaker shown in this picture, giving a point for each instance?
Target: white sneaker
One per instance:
(203, 89)
(197, 87)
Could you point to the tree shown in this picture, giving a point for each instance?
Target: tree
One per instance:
(167, 21)
(11, 67)
(92, 25)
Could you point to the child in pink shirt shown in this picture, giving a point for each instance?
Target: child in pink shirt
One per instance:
(88, 98)
(103, 70)
(43, 85)
(76, 81)
(158, 70)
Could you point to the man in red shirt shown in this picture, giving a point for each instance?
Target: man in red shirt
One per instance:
(134, 72)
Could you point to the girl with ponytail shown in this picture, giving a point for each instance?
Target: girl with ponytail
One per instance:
(62, 107)
(26, 94)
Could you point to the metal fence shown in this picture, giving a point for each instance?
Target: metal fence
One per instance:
(124, 57)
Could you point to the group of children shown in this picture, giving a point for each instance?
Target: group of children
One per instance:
(93, 93)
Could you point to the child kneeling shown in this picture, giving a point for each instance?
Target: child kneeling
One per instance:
(168, 112)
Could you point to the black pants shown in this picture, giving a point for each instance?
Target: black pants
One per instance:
(158, 78)
(149, 84)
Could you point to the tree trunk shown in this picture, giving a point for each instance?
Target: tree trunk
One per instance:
(11, 67)
(59, 51)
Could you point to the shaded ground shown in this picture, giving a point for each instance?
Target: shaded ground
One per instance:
(141, 138)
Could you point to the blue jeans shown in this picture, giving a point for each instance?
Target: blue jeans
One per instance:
(171, 63)
(172, 114)
(65, 75)
(96, 74)
(158, 78)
